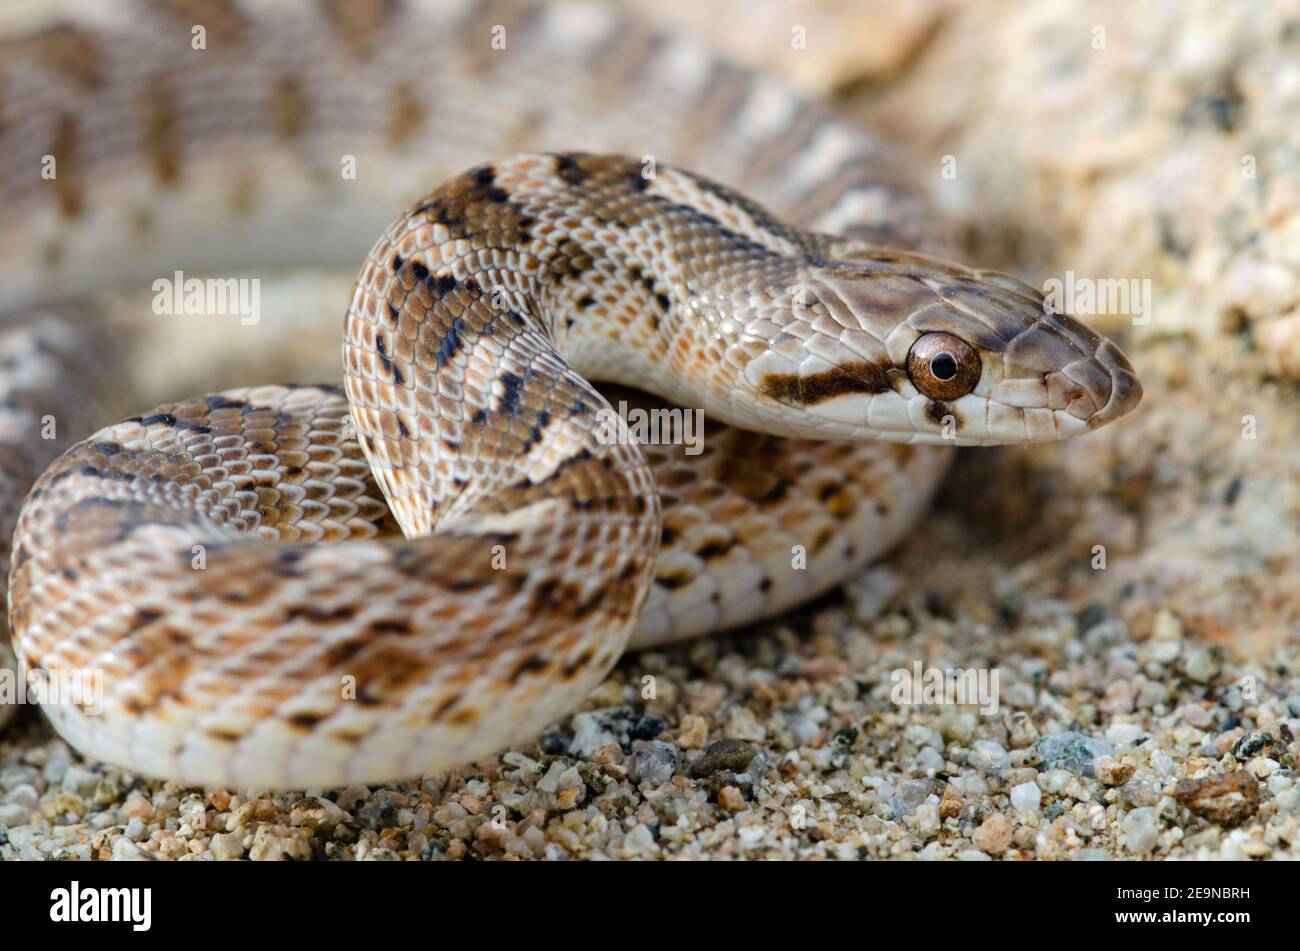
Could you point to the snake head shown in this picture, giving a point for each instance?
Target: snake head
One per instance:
(909, 348)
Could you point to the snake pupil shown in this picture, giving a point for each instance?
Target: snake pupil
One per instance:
(944, 366)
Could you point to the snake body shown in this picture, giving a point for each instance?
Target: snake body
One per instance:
(311, 586)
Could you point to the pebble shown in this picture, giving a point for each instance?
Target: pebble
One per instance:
(594, 729)
(1073, 751)
(640, 840)
(23, 795)
(279, 843)
(1226, 800)
(731, 799)
(994, 834)
(653, 762)
(741, 724)
(872, 593)
(909, 794)
(1167, 626)
(927, 821)
(694, 732)
(730, 755)
(137, 807)
(803, 728)
(227, 846)
(989, 755)
(80, 781)
(1204, 664)
(1196, 715)
(1026, 797)
(1022, 731)
(1165, 652)
(1141, 829)
(124, 850)
(1113, 772)
(14, 814)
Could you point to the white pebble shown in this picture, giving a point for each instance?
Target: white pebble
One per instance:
(989, 755)
(1026, 797)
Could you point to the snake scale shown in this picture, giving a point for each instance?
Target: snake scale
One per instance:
(297, 586)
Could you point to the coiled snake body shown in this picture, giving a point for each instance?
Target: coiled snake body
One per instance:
(307, 586)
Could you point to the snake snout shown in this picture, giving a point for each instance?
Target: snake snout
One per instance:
(1124, 388)
(1090, 391)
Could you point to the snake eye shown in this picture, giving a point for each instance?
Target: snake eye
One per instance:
(943, 367)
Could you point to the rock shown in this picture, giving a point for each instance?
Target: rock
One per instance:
(1167, 626)
(80, 781)
(138, 807)
(653, 762)
(14, 815)
(124, 850)
(989, 755)
(955, 727)
(647, 728)
(227, 846)
(693, 733)
(927, 819)
(993, 836)
(379, 812)
(1196, 715)
(1225, 800)
(910, 794)
(595, 728)
(730, 755)
(1091, 855)
(1204, 665)
(741, 724)
(314, 812)
(1113, 772)
(1026, 797)
(929, 760)
(1123, 734)
(279, 843)
(1022, 730)
(1120, 698)
(872, 592)
(731, 799)
(803, 728)
(640, 840)
(1140, 827)
(1271, 742)
(1076, 752)
(24, 795)
(950, 804)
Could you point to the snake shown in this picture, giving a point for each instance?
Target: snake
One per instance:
(302, 586)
